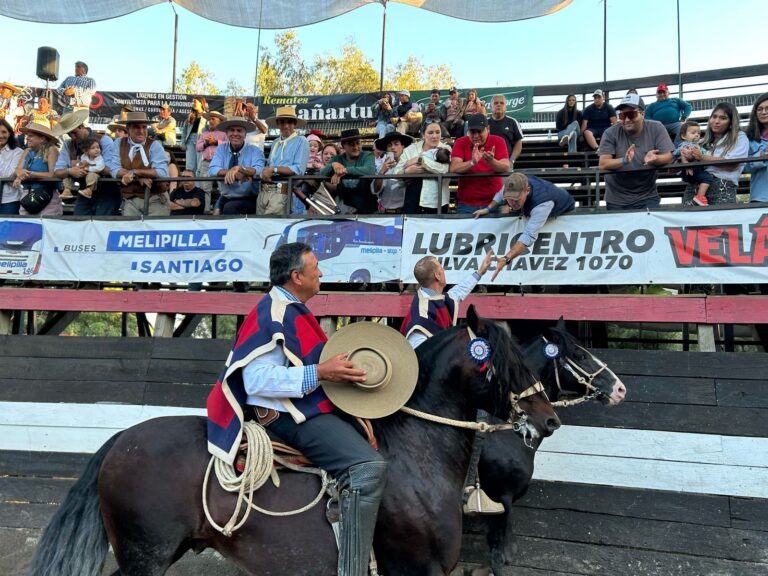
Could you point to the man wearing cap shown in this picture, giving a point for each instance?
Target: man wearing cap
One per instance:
(206, 147)
(390, 192)
(136, 160)
(630, 144)
(343, 168)
(596, 119)
(508, 128)
(107, 201)
(76, 92)
(240, 164)
(288, 157)
(478, 152)
(273, 373)
(407, 115)
(164, 129)
(451, 112)
(534, 198)
(671, 112)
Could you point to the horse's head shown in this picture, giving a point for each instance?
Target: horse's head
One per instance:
(577, 373)
(504, 385)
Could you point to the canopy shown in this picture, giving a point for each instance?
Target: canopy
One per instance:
(272, 14)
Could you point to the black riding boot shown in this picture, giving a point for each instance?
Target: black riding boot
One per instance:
(361, 488)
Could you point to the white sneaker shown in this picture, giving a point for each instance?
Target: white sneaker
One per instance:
(565, 140)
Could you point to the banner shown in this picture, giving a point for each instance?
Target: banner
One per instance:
(637, 248)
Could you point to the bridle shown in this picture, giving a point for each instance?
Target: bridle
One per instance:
(582, 376)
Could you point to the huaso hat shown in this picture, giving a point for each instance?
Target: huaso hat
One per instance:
(234, 121)
(70, 121)
(392, 370)
(11, 87)
(136, 118)
(40, 130)
(285, 112)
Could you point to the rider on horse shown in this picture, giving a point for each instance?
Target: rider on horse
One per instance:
(273, 374)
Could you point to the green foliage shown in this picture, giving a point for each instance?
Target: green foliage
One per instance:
(413, 75)
(234, 88)
(195, 80)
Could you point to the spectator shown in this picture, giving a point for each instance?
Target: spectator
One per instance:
(76, 92)
(597, 118)
(568, 124)
(187, 199)
(93, 161)
(136, 160)
(383, 111)
(390, 193)
(314, 165)
(355, 193)
(534, 198)
(193, 127)
(239, 163)
(407, 116)
(329, 151)
(206, 147)
(757, 133)
(642, 102)
(477, 153)
(690, 134)
(39, 161)
(124, 109)
(43, 114)
(722, 140)
(288, 157)
(633, 143)
(423, 195)
(472, 106)
(508, 128)
(117, 129)
(165, 128)
(433, 111)
(671, 112)
(258, 136)
(10, 110)
(451, 111)
(173, 172)
(10, 156)
(107, 201)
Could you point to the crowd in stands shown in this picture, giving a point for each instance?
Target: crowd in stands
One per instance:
(451, 133)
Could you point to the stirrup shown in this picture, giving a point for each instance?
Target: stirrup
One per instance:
(478, 502)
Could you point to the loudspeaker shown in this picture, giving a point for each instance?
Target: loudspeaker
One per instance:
(47, 63)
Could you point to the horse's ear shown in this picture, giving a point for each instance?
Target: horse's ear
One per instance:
(473, 320)
(560, 324)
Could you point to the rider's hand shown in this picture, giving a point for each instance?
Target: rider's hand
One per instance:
(339, 369)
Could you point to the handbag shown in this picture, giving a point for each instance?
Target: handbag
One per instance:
(36, 200)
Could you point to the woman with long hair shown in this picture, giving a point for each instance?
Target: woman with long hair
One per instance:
(38, 161)
(722, 140)
(10, 155)
(757, 134)
(425, 156)
(194, 126)
(568, 123)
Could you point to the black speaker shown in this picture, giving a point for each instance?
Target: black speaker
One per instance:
(47, 63)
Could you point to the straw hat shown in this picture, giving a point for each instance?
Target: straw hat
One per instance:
(285, 112)
(214, 114)
(70, 121)
(10, 87)
(40, 130)
(233, 121)
(392, 370)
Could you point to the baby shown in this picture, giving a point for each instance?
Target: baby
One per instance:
(690, 134)
(94, 162)
(441, 155)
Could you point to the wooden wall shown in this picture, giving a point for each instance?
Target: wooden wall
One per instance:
(672, 482)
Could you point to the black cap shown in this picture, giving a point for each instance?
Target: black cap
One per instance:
(477, 122)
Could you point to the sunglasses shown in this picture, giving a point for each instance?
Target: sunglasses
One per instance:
(628, 115)
(432, 121)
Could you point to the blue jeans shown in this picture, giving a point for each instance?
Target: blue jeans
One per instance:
(467, 209)
(574, 131)
(383, 128)
(191, 159)
(10, 208)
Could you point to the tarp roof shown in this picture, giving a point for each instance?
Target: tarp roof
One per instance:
(272, 14)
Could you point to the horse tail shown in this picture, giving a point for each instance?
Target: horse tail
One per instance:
(75, 542)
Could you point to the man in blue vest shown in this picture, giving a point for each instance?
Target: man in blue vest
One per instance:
(537, 200)
(273, 373)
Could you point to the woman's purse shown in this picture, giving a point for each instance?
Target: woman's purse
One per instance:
(36, 200)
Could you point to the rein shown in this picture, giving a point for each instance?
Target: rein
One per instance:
(581, 375)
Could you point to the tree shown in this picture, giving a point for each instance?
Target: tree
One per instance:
(283, 72)
(234, 88)
(349, 72)
(413, 75)
(195, 80)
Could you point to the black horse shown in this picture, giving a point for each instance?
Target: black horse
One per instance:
(570, 374)
(141, 491)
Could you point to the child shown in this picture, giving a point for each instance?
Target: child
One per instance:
(91, 159)
(690, 134)
(441, 155)
(315, 155)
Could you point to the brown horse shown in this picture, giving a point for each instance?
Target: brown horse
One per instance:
(142, 490)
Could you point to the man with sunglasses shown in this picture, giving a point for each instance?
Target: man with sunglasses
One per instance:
(631, 144)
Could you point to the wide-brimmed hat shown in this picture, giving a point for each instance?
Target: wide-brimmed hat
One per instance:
(214, 114)
(287, 113)
(233, 121)
(11, 87)
(71, 120)
(116, 124)
(41, 130)
(351, 134)
(391, 367)
(136, 118)
(381, 143)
